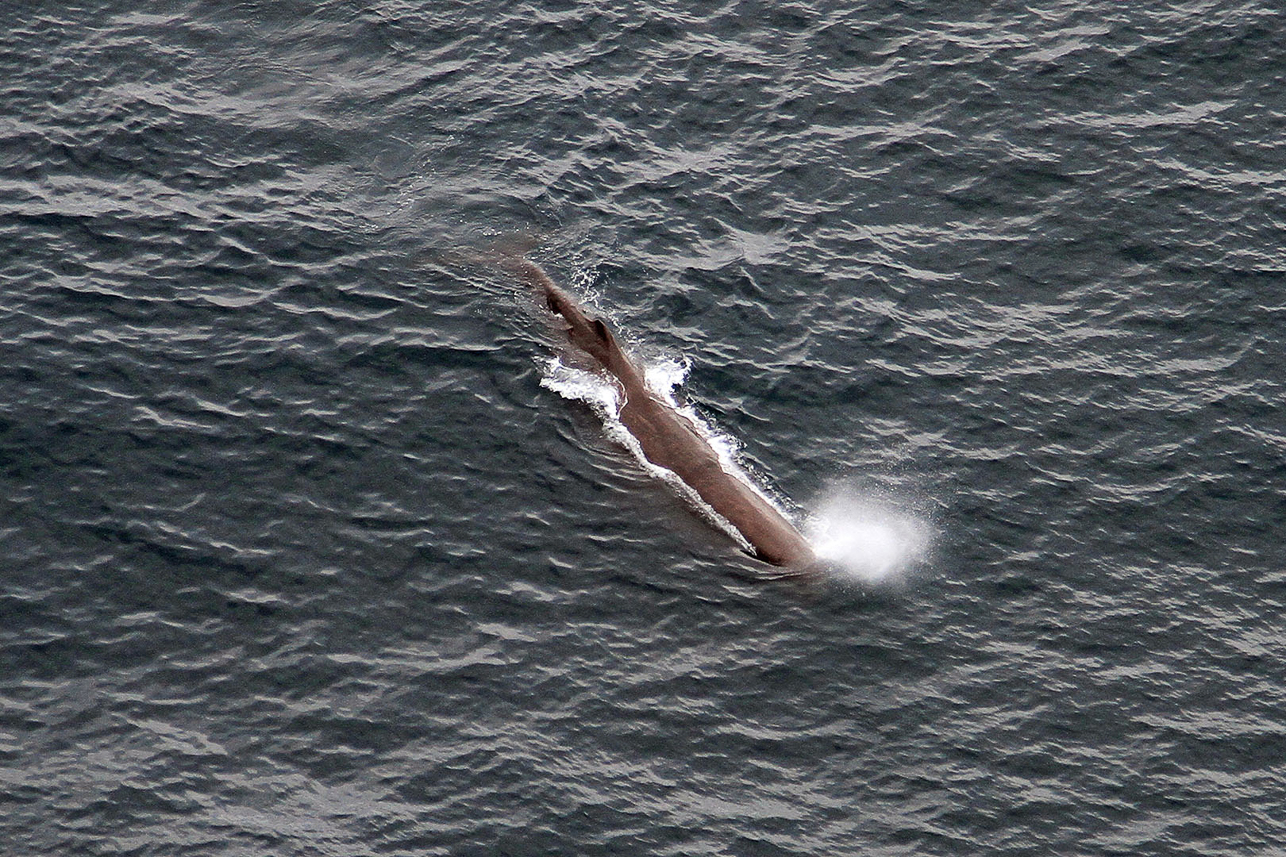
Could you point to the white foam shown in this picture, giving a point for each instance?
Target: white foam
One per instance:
(598, 391)
(665, 375)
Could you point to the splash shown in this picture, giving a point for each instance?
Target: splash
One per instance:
(595, 390)
(867, 541)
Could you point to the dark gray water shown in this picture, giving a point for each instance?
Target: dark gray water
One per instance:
(304, 554)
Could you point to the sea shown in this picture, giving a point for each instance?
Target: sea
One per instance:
(311, 543)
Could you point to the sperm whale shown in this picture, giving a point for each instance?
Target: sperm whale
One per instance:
(668, 438)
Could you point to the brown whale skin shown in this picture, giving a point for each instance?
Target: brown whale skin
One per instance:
(667, 438)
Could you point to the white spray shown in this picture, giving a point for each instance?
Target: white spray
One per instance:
(866, 539)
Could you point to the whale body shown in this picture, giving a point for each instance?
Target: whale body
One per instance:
(669, 439)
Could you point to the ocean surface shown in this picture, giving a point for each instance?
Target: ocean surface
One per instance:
(308, 548)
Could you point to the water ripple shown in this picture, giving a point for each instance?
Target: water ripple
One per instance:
(303, 558)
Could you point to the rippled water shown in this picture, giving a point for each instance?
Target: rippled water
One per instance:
(302, 557)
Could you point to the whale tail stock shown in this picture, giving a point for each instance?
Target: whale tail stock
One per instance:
(669, 439)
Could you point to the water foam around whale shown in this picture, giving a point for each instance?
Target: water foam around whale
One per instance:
(663, 377)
